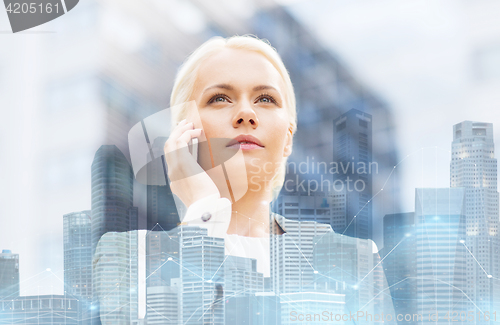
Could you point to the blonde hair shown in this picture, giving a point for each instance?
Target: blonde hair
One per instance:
(186, 77)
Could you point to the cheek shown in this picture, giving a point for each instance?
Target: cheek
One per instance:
(278, 130)
(212, 124)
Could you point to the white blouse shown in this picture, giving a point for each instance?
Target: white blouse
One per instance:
(214, 214)
(250, 247)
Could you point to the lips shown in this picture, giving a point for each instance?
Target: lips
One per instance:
(245, 142)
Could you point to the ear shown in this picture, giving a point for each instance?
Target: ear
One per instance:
(288, 143)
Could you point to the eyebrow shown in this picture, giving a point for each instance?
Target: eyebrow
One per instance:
(229, 87)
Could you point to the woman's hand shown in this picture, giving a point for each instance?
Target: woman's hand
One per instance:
(188, 180)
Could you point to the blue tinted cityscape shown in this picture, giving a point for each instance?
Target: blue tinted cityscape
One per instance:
(436, 263)
(128, 261)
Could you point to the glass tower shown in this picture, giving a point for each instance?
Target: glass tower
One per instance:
(78, 254)
(399, 261)
(9, 275)
(78, 260)
(474, 167)
(441, 254)
(353, 154)
(112, 192)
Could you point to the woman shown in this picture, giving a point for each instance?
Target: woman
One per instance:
(244, 97)
(236, 98)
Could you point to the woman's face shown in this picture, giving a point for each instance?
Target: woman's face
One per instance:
(241, 97)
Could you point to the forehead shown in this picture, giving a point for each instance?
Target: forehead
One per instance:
(239, 68)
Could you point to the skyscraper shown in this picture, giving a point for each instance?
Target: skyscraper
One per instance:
(112, 193)
(353, 153)
(9, 275)
(324, 207)
(78, 254)
(441, 255)
(350, 266)
(242, 281)
(162, 250)
(162, 212)
(241, 276)
(400, 265)
(113, 211)
(474, 167)
(78, 260)
(292, 268)
(163, 305)
(202, 276)
(116, 278)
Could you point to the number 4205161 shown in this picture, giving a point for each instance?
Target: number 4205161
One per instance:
(17, 8)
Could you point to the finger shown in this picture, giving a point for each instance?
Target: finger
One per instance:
(186, 137)
(170, 144)
(179, 129)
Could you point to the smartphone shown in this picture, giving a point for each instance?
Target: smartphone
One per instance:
(193, 148)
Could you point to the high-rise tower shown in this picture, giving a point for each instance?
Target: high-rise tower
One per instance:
(78, 260)
(353, 154)
(112, 193)
(474, 167)
(9, 274)
(78, 254)
(440, 254)
(112, 211)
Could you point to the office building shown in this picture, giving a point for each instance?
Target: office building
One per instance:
(162, 261)
(254, 309)
(242, 282)
(241, 276)
(112, 193)
(116, 278)
(474, 167)
(112, 211)
(201, 277)
(353, 154)
(77, 228)
(400, 265)
(292, 269)
(162, 214)
(9, 274)
(78, 254)
(40, 310)
(441, 254)
(350, 266)
(324, 207)
(163, 305)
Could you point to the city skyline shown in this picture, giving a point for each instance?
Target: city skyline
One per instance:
(458, 213)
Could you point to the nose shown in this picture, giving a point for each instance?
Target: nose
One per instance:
(245, 116)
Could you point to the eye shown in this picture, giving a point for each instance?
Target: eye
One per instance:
(265, 98)
(218, 98)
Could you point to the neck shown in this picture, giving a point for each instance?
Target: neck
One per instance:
(250, 215)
